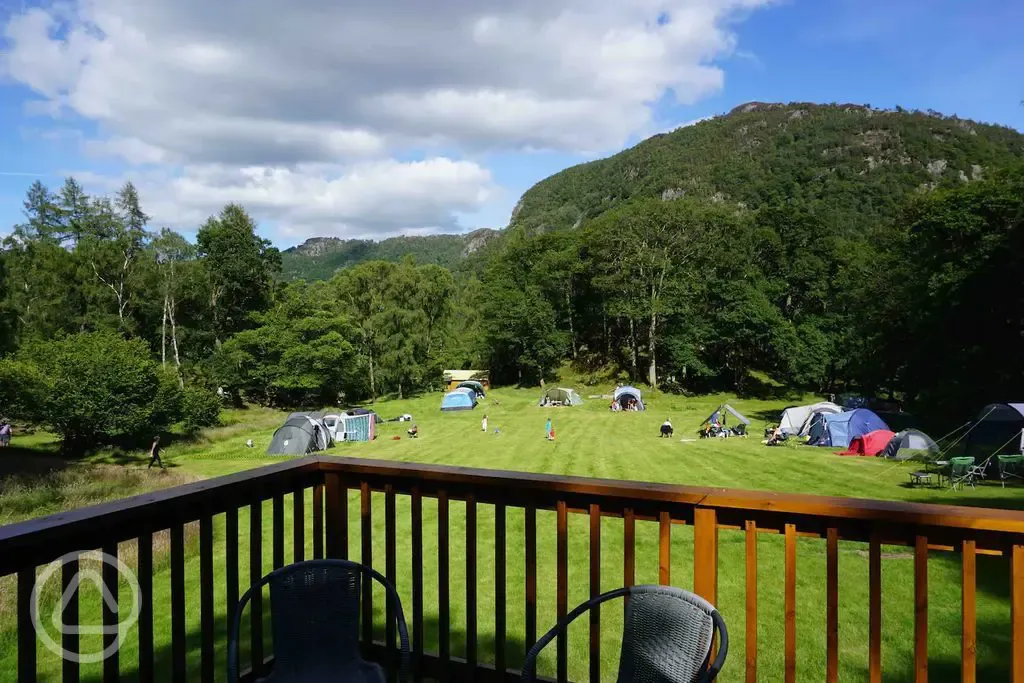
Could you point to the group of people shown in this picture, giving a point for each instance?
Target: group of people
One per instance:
(628, 404)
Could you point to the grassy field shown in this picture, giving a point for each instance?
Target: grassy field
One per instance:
(591, 442)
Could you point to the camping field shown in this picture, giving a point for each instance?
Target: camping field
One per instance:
(591, 441)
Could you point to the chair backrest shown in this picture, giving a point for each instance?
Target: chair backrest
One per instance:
(667, 636)
(315, 610)
(314, 607)
(959, 467)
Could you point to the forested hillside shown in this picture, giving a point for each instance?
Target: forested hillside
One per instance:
(825, 248)
(321, 257)
(850, 165)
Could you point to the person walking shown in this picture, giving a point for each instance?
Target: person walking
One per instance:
(483, 425)
(547, 431)
(5, 434)
(154, 454)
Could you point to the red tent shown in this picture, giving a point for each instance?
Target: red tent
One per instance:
(871, 443)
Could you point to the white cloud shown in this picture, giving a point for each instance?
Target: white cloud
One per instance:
(193, 85)
(371, 199)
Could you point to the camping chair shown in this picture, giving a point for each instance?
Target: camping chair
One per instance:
(964, 471)
(1010, 466)
(740, 430)
(314, 608)
(666, 638)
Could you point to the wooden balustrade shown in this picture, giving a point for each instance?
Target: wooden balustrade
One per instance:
(469, 495)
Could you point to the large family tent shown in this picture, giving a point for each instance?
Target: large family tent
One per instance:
(460, 399)
(301, 433)
(796, 421)
(561, 396)
(871, 443)
(360, 427)
(624, 396)
(364, 411)
(911, 443)
(477, 387)
(841, 428)
(721, 418)
(997, 430)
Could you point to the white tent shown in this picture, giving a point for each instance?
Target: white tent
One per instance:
(797, 420)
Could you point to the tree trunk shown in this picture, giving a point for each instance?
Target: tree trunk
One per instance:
(174, 342)
(633, 350)
(373, 386)
(163, 336)
(572, 330)
(652, 369)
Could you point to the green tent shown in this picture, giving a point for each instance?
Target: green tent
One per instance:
(561, 396)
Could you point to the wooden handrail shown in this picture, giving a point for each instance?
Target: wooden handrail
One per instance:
(966, 530)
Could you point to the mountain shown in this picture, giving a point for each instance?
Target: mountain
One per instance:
(850, 164)
(318, 258)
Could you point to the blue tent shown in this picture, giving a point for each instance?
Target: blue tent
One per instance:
(841, 428)
(625, 395)
(460, 399)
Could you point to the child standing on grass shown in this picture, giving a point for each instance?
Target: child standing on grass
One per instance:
(483, 424)
(154, 453)
(549, 433)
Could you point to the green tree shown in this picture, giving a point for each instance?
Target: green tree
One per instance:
(93, 387)
(240, 269)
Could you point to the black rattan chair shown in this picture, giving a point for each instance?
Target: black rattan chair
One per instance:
(314, 608)
(666, 639)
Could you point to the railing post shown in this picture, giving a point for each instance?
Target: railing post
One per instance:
(1017, 613)
(705, 554)
(337, 517)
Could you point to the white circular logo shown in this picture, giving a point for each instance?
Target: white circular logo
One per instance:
(86, 575)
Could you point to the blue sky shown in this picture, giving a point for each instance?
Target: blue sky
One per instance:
(440, 123)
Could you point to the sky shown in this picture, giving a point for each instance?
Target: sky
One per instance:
(373, 119)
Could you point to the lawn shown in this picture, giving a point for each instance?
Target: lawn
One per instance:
(593, 442)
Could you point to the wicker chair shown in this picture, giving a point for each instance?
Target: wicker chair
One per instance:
(666, 639)
(314, 608)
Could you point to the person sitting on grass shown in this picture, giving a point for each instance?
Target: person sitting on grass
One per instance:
(414, 432)
(666, 429)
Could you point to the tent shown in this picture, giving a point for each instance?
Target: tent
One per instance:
(301, 433)
(362, 427)
(911, 443)
(839, 429)
(460, 399)
(871, 443)
(477, 387)
(565, 397)
(797, 420)
(997, 430)
(624, 395)
(722, 419)
(364, 411)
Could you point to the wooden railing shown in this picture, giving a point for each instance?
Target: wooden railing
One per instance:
(337, 488)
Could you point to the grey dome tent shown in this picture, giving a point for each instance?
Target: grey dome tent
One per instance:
(797, 420)
(911, 443)
(997, 430)
(477, 387)
(300, 434)
(566, 397)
